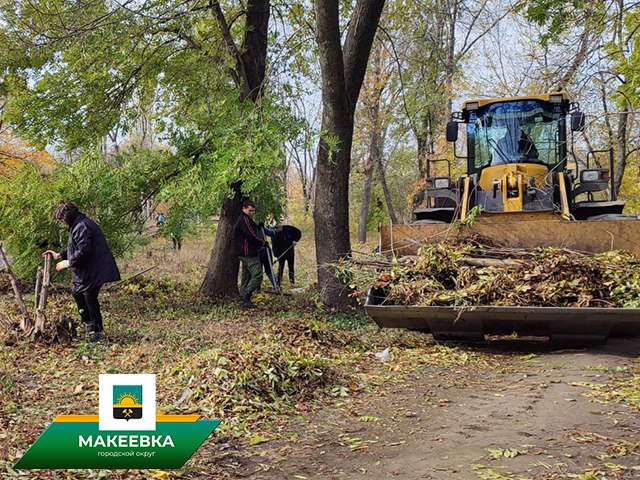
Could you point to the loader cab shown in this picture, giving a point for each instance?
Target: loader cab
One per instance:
(515, 149)
(517, 162)
(516, 130)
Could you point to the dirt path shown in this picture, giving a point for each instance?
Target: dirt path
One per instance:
(440, 424)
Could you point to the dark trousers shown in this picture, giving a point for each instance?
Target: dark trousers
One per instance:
(251, 275)
(288, 257)
(177, 242)
(89, 308)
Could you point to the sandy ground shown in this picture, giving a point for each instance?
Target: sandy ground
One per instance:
(440, 426)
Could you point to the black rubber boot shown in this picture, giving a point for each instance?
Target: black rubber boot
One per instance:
(95, 337)
(247, 303)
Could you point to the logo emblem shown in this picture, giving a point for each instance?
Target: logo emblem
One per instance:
(111, 440)
(127, 402)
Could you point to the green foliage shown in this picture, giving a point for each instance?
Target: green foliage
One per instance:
(349, 321)
(109, 194)
(257, 374)
(74, 88)
(556, 15)
(473, 214)
(244, 143)
(78, 72)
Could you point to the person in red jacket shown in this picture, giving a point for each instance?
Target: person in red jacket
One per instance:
(248, 242)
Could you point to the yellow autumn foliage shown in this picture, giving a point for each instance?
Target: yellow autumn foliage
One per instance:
(14, 152)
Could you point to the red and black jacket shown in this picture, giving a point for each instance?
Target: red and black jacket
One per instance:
(247, 239)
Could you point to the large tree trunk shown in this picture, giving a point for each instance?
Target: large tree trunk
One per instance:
(343, 71)
(221, 278)
(254, 46)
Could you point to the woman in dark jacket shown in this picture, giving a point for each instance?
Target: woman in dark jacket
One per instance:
(91, 262)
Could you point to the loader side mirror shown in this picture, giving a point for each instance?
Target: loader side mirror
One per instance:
(577, 121)
(452, 131)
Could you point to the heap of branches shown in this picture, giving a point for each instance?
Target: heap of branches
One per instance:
(472, 272)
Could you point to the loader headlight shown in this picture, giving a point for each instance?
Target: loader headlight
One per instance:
(588, 176)
(594, 175)
(438, 183)
(556, 98)
(441, 182)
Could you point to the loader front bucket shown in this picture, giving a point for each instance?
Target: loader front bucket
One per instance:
(515, 230)
(574, 326)
(520, 230)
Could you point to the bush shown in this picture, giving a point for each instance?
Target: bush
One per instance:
(109, 194)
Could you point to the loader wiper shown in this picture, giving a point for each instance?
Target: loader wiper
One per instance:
(498, 150)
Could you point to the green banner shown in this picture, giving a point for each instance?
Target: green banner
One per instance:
(82, 445)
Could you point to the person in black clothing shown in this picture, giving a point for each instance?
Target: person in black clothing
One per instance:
(283, 248)
(248, 243)
(515, 146)
(91, 262)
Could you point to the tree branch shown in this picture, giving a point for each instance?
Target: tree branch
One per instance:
(240, 76)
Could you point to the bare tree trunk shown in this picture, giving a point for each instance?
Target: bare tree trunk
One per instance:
(426, 146)
(221, 278)
(311, 190)
(343, 71)
(366, 200)
(451, 57)
(41, 296)
(302, 165)
(385, 189)
(373, 94)
(26, 324)
(331, 212)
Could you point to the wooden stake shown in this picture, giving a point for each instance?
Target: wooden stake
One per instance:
(41, 296)
(36, 300)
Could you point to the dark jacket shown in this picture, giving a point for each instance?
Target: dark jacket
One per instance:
(247, 239)
(92, 263)
(284, 239)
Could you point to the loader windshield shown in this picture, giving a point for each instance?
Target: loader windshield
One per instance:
(524, 131)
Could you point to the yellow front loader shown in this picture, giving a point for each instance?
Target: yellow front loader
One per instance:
(523, 188)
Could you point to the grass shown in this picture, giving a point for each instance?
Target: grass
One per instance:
(254, 370)
(247, 368)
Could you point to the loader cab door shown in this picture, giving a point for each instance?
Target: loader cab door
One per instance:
(516, 131)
